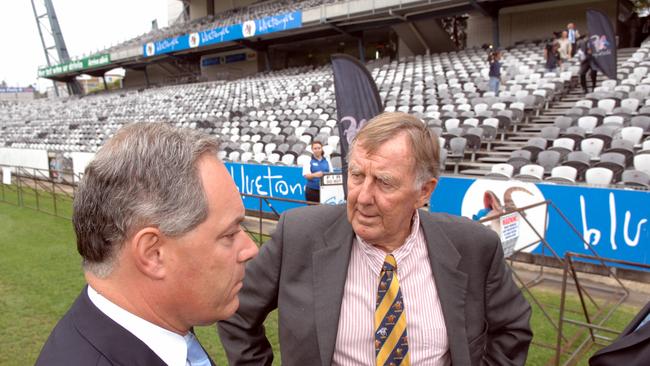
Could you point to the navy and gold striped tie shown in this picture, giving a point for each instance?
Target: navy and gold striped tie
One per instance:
(391, 341)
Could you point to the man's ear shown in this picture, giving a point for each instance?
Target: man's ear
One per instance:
(147, 252)
(427, 188)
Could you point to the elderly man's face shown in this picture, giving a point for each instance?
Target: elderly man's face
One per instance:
(382, 195)
(207, 263)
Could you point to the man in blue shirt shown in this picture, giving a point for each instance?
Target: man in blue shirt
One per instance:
(314, 170)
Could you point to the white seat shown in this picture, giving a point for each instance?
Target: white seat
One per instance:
(303, 159)
(564, 172)
(288, 159)
(259, 157)
(592, 146)
(599, 176)
(245, 157)
(607, 104)
(504, 170)
(274, 158)
(633, 134)
(234, 156)
(642, 163)
(452, 123)
(565, 143)
(532, 171)
(258, 147)
(630, 103)
(588, 123)
(614, 120)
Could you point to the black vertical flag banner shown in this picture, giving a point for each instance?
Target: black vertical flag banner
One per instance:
(603, 42)
(357, 101)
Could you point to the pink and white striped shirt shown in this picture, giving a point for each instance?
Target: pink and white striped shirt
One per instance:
(428, 344)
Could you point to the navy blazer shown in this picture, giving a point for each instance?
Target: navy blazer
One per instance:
(86, 336)
(631, 348)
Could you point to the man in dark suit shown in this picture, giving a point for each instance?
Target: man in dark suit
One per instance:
(631, 348)
(157, 219)
(379, 281)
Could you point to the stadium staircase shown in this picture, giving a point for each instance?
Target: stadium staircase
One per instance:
(514, 140)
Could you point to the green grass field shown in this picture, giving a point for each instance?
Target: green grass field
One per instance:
(40, 276)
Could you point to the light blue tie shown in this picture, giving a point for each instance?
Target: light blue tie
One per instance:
(645, 321)
(196, 356)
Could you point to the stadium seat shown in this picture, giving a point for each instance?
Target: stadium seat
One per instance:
(563, 174)
(501, 171)
(598, 176)
(530, 172)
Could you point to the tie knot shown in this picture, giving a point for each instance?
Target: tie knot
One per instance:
(389, 263)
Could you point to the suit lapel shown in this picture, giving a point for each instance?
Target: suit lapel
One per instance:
(629, 337)
(330, 264)
(451, 284)
(109, 338)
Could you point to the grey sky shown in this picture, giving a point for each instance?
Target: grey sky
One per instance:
(87, 26)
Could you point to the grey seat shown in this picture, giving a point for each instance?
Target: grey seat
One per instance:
(474, 138)
(535, 145)
(580, 160)
(613, 161)
(625, 147)
(641, 121)
(605, 133)
(457, 147)
(549, 159)
(550, 133)
(635, 178)
(576, 133)
(519, 158)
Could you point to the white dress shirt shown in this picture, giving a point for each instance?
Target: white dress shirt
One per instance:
(425, 325)
(169, 346)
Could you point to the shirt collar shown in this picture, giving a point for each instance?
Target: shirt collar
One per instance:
(169, 346)
(375, 256)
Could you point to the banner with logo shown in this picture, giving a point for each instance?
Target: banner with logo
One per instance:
(613, 221)
(602, 40)
(14, 90)
(251, 28)
(270, 181)
(77, 65)
(357, 101)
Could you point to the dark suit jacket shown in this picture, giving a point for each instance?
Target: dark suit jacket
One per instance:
(630, 348)
(86, 336)
(303, 268)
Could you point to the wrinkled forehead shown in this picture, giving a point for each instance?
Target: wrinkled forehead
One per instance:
(394, 152)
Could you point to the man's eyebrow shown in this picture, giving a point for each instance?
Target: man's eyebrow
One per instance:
(237, 220)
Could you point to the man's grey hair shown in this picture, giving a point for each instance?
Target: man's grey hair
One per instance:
(146, 175)
(424, 143)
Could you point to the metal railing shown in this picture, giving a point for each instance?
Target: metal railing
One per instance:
(43, 190)
(52, 192)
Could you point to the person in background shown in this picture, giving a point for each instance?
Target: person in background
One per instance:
(552, 55)
(494, 61)
(587, 63)
(573, 35)
(564, 48)
(313, 170)
(157, 219)
(379, 280)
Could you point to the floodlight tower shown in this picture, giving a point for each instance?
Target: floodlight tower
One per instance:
(51, 26)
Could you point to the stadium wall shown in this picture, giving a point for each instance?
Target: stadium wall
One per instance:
(229, 65)
(534, 21)
(157, 76)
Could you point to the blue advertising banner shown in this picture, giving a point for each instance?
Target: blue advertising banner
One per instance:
(271, 181)
(613, 221)
(14, 90)
(271, 24)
